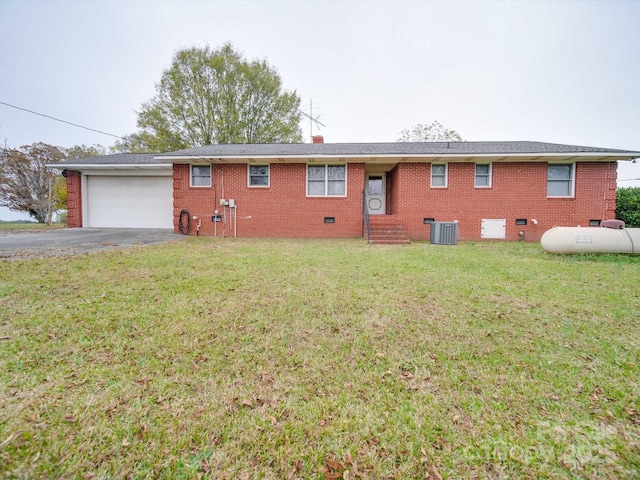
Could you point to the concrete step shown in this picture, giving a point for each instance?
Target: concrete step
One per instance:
(385, 229)
(382, 221)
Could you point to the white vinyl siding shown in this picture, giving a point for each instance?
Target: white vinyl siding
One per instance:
(560, 179)
(483, 175)
(200, 175)
(258, 175)
(439, 175)
(326, 180)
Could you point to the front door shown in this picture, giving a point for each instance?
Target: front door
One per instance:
(376, 194)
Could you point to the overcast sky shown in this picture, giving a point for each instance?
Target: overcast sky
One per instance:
(562, 72)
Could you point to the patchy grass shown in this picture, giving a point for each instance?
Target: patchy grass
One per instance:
(23, 227)
(320, 359)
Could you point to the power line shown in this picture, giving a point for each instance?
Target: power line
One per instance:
(315, 120)
(59, 120)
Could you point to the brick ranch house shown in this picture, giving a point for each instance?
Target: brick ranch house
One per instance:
(494, 190)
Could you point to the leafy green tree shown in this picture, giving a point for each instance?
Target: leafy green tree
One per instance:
(628, 206)
(60, 193)
(215, 96)
(434, 132)
(26, 184)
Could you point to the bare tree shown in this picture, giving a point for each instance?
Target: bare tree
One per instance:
(434, 132)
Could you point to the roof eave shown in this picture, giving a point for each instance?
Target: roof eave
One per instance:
(401, 157)
(109, 166)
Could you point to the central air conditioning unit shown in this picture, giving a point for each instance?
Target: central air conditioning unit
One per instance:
(444, 233)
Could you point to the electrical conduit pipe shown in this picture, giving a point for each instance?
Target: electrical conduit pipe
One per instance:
(198, 226)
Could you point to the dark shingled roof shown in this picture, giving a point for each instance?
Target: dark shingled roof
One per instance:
(392, 148)
(115, 159)
(294, 150)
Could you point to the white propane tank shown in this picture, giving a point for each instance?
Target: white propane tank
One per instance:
(591, 240)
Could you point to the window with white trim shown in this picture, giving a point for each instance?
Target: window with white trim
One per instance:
(560, 179)
(483, 175)
(438, 174)
(258, 175)
(326, 180)
(200, 175)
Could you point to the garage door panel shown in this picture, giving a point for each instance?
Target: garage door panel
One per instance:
(130, 202)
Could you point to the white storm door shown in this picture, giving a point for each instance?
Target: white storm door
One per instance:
(376, 195)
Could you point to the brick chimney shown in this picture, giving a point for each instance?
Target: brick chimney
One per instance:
(317, 139)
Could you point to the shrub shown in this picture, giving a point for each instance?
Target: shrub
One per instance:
(628, 206)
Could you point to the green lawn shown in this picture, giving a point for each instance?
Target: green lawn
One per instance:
(29, 226)
(320, 359)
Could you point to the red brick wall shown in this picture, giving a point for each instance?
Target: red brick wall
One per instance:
(281, 210)
(519, 190)
(74, 199)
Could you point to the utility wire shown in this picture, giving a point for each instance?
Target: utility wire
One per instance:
(315, 120)
(59, 120)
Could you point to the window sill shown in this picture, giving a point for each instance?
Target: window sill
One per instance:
(326, 196)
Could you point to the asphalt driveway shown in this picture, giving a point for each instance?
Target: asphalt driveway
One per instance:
(73, 241)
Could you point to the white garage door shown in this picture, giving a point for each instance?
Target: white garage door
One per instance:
(129, 202)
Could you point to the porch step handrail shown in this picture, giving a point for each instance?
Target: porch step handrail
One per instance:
(365, 215)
